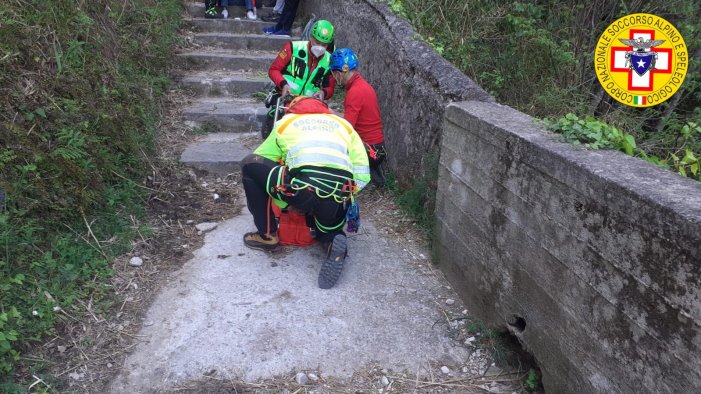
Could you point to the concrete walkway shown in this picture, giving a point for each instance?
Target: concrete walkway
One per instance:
(251, 316)
(236, 313)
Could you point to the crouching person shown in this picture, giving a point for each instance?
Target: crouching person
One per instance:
(314, 162)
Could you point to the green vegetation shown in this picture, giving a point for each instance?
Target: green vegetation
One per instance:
(596, 134)
(537, 56)
(205, 128)
(80, 83)
(505, 350)
(418, 199)
(532, 382)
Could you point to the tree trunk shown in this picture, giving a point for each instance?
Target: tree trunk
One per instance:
(596, 100)
(672, 106)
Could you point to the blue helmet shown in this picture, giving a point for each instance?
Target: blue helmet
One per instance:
(343, 59)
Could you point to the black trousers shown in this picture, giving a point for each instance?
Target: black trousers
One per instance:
(323, 213)
(289, 12)
(379, 154)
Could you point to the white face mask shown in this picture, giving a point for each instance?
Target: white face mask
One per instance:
(318, 50)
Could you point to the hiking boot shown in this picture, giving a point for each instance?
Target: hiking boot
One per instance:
(272, 17)
(333, 265)
(261, 242)
(211, 13)
(281, 33)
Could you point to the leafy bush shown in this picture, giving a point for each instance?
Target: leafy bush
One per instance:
(595, 134)
(591, 132)
(79, 89)
(532, 382)
(537, 56)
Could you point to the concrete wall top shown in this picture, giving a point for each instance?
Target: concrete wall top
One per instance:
(623, 176)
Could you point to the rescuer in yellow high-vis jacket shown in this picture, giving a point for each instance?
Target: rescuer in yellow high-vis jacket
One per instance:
(315, 162)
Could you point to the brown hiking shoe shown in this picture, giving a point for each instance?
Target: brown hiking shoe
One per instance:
(257, 241)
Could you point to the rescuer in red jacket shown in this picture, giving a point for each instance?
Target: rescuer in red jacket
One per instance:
(361, 109)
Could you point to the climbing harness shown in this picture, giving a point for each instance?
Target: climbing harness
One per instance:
(323, 184)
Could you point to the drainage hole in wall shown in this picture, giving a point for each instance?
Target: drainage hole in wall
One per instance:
(518, 323)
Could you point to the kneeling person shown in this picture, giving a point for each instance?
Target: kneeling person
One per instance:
(323, 164)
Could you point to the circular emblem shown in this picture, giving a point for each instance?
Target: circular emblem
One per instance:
(641, 60)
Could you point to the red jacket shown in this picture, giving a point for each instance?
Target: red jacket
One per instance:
(283, 59)
(362, 111)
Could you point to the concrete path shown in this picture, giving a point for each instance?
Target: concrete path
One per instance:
(250, 315)
(243, 314)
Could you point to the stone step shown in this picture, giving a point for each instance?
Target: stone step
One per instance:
(224, 60)
(220, 153)
(240, 41)
(225, 115)
(242, 26)
(223, 83)
(196, 10)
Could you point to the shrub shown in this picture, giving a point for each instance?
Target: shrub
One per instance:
(682, 156)
(79, 89)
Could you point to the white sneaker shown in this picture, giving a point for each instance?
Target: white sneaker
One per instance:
(251, 15)
(225, 13)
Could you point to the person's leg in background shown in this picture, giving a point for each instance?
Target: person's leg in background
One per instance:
(376, 156)
(289, 12)
(251, 10)
(277, 11)
(249, 4)
(223, 4)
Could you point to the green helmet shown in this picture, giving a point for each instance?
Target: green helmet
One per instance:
(323, 31)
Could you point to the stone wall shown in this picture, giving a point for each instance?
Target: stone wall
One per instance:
(413, 83)
(592, 258)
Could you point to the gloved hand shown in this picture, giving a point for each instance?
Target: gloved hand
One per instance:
(320, 95)
(285, 90)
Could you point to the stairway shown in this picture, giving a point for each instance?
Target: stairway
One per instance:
(259, 322)
(224, 70)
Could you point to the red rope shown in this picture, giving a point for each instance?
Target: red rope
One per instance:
(371, 152)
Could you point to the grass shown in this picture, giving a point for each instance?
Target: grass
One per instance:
(418, 198)
(206, 128)
(80, 84)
